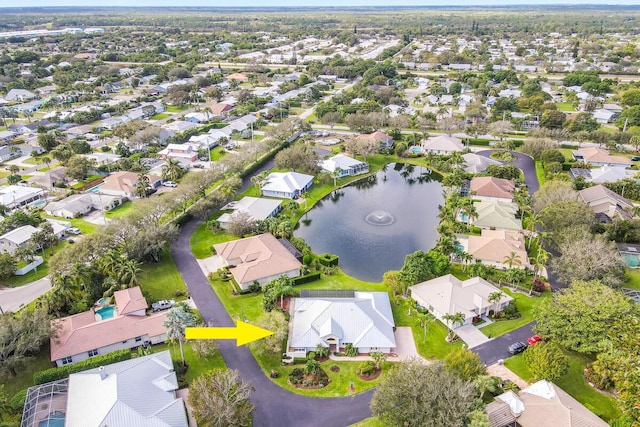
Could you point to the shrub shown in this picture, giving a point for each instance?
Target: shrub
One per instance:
(307, 278)
(296, 376)
(17, 401)
(54, 374)
(552, 155)
(511, 311)
(367, 368)
(328, 260)
(350, 350)
(311, 355)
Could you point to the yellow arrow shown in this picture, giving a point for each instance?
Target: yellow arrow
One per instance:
(243, 333)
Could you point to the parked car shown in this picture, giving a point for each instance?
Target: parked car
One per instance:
(203, 159)
(162, 305)
(169, 184)
(198, 166)
(533, 340)
(635, 158)
(73, 230)
(517, 347)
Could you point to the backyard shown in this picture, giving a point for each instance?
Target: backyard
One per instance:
(526, 305)
(41, 271)
(574, 383)
(163, 280)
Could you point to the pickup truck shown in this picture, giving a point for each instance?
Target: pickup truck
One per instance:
(162, 305)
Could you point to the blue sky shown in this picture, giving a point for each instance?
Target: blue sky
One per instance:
(280, 3)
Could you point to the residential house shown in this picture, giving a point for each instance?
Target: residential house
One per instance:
(448, 295)
(16, 196)
(491, 188)
(385, 140)
(258, 209)
(542, 404)
(20, 95)
(17, 238)
(599, 157)
(345, 165)
(474, 163)
(442, 144)
(103, 159)
(239, 77)
(258, 259)
(492, 247)
(184, 151)
(78, 205)
(197, 117)
(606, 204)
(221, 109)
(286, 185)
(603, 116)
(141, 391)
(495, 214)
(124, 183)
(603, 174)
(362, 319)
(50, 179)
(179, 126)
(102, 330)
(7, 135)
(8, 152)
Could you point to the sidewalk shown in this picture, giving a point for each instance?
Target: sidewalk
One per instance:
(499, 370)
(13, 299)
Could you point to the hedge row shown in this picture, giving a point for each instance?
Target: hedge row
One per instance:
(328, 260)
(54, 374)
(301, 280)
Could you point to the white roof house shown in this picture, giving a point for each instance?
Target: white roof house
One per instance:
(13, 196)
(442, 144)
(137, 392)
(20, 95)
(16, 238)
(80, 204)
(346, 165)
(450, 295)
(257, 208)
(476, 164)
(286, 185)
(365, 320)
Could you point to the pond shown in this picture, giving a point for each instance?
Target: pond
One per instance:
(375, 222)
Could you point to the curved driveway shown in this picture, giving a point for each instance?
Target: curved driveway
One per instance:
(525, 164)
(275, 406)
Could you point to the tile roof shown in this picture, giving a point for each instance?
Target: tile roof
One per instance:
(600, 155)
(497, 214)
(257, 257)
(450, 295)
(443, 143)
(130, 300)
(489, 186)
(495, 245)
(124, 181)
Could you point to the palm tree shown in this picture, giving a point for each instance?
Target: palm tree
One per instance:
(468, 207)
(321, 351)
(423, 319)
(495, 297)
(13, 169)
(535, 220)
(336, 174)
(143, 185)
(452, 320)
(46, 160)
(129, 273)
(379, 358)
(178, 319)
(485, 383)
(512, 259)
(466, 258)
(172, 171)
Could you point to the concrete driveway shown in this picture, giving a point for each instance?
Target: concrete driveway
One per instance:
(471, 335)
(405, 345)
(13, 299)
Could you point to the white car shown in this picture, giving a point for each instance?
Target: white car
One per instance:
(73, 230)
(169, 184)
(162, 305)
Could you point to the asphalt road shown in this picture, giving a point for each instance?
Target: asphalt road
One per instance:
(275, 406)
(496, 348)
(525, 164)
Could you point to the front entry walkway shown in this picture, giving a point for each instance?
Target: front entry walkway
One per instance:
(471, 335)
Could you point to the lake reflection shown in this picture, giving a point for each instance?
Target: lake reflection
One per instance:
(375, 222)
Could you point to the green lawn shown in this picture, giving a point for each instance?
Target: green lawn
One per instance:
(160, 116)
(369, 422)
(163, 280)
(24, 377)
(573, 382)
(217, 153)
(120, 211)
(202, 239)
(176, 108)
(82, 225)
(37, 274)
(564, 106)
(197, 365)
(632, 276)
(527, 306)
(540, 173)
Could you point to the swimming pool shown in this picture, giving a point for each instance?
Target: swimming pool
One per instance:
(39, 203)
(56, 419)
(106, 312)
(94, 189)
(416, 150)
(632, 260)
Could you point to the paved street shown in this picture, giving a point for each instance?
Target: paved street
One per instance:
(275, 406)
(12, 299)
(496, 348)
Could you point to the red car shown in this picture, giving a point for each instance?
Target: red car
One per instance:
(533, 340)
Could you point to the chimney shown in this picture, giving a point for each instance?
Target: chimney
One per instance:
(102, 372)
